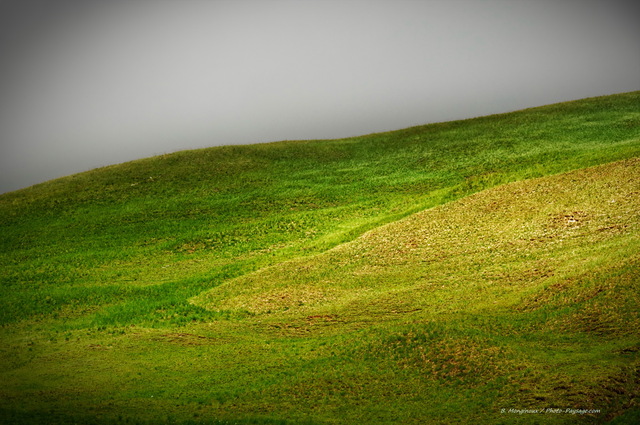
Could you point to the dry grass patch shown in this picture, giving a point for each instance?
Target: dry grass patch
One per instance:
(492, 247)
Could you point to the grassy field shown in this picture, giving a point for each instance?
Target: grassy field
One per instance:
(475, 270)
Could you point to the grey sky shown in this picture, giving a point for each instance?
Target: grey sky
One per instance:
(90, 83)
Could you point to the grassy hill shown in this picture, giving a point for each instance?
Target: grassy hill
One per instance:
(391, 278)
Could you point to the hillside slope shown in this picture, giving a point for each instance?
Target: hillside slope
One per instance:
(521, 297)
(131, 243)
(332, 282)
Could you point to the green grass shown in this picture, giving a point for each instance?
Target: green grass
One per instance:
(365, 280)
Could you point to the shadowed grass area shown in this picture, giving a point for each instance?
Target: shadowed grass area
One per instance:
(334, 281)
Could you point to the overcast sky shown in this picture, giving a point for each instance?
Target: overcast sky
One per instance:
(88, 83)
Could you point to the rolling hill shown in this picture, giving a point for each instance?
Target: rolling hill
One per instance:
(484, 269)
